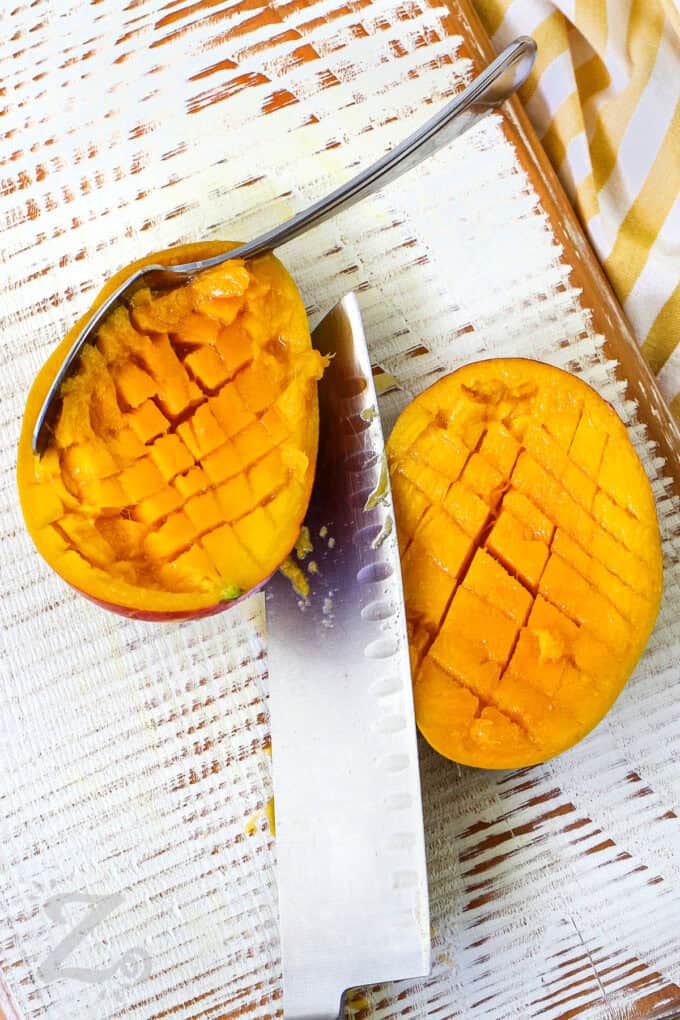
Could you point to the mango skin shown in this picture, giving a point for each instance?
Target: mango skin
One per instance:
(153, 605)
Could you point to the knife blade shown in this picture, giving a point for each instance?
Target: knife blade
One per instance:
(351, 870)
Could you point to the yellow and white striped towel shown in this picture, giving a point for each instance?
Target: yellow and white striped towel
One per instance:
(604, 97)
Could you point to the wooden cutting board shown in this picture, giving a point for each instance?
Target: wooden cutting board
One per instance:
(135, 758)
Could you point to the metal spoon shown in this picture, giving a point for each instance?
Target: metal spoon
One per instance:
(485, 93)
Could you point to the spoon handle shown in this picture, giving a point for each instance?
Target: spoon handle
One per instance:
(484, 93)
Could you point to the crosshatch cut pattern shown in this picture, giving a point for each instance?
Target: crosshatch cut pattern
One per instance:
(532, 568)
(134, 755)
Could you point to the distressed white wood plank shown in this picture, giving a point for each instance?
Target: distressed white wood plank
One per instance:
(133, 755)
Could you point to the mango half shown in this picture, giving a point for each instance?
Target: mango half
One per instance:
(531, 559)
(181, 463)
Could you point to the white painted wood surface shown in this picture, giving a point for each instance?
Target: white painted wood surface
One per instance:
(133, 755)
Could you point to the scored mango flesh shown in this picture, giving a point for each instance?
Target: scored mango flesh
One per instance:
(531, 559)
(181, 463)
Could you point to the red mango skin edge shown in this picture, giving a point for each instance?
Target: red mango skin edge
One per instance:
(170, 617)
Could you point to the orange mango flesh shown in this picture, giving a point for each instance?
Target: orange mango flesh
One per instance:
(180, 467)
(531, 559)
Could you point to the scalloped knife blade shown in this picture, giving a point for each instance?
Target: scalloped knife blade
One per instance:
(352, 878)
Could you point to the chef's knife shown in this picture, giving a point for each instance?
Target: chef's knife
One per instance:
(351, 863)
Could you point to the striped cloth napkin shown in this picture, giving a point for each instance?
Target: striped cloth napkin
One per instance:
(604, 97)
